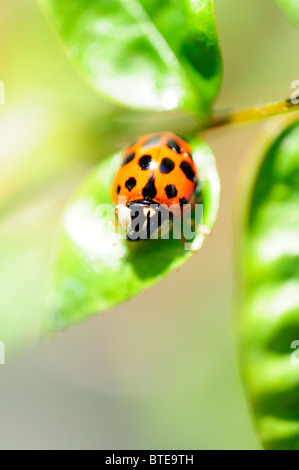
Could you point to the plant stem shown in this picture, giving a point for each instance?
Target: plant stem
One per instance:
(253, 113)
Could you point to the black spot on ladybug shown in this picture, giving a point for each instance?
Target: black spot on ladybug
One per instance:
(145, 162)
(166, 166)
(154, 140)
(183, 201)
(130, 184)
(118, 189)
(171, 191)
(149, 191)
(187, 170)
(128, 159)
(172, 145)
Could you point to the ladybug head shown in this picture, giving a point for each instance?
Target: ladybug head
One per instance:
(143, 220)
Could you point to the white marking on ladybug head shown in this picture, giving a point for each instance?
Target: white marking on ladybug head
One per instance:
(124, 216)
(149, 211)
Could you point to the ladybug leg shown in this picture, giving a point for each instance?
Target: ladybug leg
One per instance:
(112, 223)
(118, 230)
(121, 218)
(115, 226)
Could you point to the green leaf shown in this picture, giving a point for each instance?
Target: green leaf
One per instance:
(290, 8)
(147, 54)
(94, 270)
(269, 290)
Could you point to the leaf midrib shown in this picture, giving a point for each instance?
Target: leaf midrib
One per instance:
(136, 10)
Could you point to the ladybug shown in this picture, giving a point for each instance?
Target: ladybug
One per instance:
(157, 171)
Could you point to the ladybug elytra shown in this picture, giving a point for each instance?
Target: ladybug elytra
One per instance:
(156, 171)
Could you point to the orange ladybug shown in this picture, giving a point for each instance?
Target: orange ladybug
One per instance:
(157, 170)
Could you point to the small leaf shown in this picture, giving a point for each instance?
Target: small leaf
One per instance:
(269, 291)
(94, 270)
(290, 8)
(147, 54)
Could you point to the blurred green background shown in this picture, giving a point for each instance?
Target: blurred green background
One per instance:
(161, 370)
